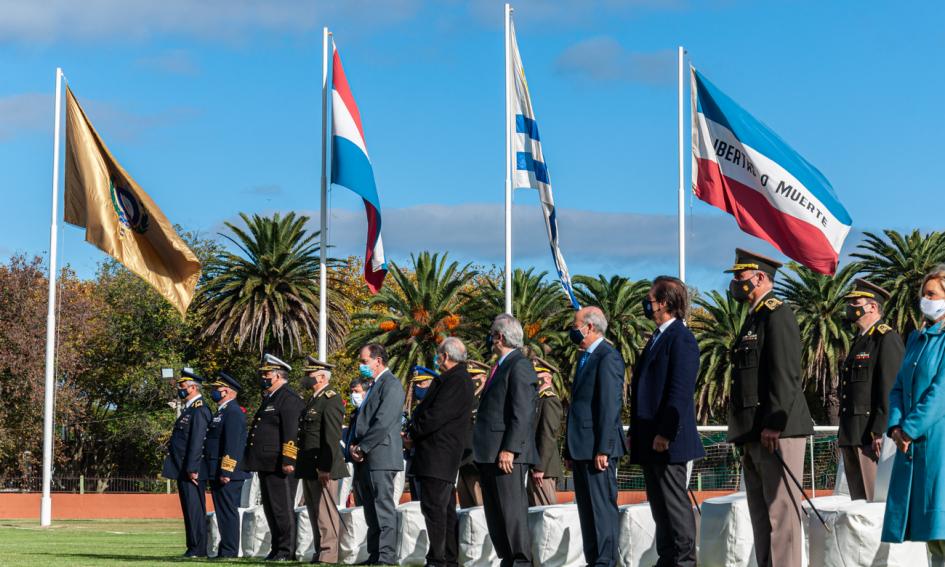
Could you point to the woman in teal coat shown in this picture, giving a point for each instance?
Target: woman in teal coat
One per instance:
(915, 506)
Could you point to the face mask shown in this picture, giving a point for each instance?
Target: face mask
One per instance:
(853, 313)
(420, 393)
(265, 383)
(436, 363)
(932, 308)
(216, 395)
(308, 382)
(357, 398)
(365, 371)
(181, 393)
(489, 342)
(741, 289)
(576, 336)
(647, 308)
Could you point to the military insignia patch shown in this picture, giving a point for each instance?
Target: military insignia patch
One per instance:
(197, 404)
(228, 463)
(883, 328)
(131, 212)
(773, 303)
(290, 450)
(330, 393)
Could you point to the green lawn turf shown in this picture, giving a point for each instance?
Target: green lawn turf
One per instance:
(89, 543)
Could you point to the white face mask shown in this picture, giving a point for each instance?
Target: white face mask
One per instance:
(932, 308)
(357, 398)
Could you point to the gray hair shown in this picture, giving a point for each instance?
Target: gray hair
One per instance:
(326, 372)
(594, 317)
(452, 348)
(509, 329)
(191, 383)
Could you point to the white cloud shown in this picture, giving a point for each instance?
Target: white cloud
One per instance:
(604, 59)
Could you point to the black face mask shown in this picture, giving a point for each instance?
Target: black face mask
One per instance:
(576, 336)
(308, 382)
(489, 343)
(265, 383)
(853, 313)
(741, 289)
(648, 308)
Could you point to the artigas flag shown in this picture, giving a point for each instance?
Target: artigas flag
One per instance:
(119, 217)
(529, 169)
(745, 169)
(351, 168)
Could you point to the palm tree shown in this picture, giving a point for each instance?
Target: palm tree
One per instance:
(413, 313)
(538, 304)
(716, 322)
(898, 263)
(621, 300)
(268, 296)
(818, 301)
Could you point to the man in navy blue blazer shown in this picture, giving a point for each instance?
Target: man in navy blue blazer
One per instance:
(595, 440)
(663, 436)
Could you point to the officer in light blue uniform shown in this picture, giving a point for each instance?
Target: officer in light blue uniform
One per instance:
(223, 451)
(184, 462)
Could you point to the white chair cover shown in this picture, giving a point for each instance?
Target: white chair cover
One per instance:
(255, 539)
(412, 539)
(854, 539)
(304, 537)
(637, 541)
(556, 535)
(353, 540)
(475, 546)
(726, 538)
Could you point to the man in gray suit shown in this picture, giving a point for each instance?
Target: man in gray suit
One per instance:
(504, 442)
(378, 449)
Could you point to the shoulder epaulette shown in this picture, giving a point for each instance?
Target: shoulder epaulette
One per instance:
(546, 393)
(331, 394)
(883, 328)
(197, 404)
(773, 303)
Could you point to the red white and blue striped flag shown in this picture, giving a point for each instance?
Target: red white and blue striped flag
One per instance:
(742, 167)
(351, 168)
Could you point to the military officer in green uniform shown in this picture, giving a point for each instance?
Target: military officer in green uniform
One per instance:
(468, 490)
(866, 377)
(543, 480)
(768, 414)
(320, 463)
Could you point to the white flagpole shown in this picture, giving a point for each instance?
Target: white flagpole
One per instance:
(45, 507)
(323, 252)
(682, 181)
(508, 164)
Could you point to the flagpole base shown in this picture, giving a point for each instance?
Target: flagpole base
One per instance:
(45, 511)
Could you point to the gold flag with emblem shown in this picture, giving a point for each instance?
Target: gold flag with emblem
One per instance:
(119, 217)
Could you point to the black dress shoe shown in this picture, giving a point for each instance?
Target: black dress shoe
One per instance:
(280, 557)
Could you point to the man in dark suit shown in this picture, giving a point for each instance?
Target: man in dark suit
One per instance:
(768, 414)
(271, 451)
(226, 440)
(504, 442)
(320, 463)
(184, 462)
(542, 483)
(866, 377)
(438, 431)
(663, 435)
(379, 450)
(595, 439)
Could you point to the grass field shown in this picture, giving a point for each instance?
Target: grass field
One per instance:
(97, 543)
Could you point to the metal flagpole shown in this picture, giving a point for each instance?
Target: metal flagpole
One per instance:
(45, 508)
(508, 164)
(323, 252)
(682, 181)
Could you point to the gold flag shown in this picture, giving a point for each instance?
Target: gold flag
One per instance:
(119, 217)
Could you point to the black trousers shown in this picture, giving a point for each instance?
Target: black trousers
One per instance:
(278, 497)
(438, 505)
(596, 495)
(672, 513)
(226, 503)
(505, 504)
(193, 504)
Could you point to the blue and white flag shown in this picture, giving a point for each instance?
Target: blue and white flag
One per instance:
(529, 170)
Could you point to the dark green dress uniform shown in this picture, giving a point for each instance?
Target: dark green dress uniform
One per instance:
(272, 443)
(866, 376)
(547, 429)
(185, 456)
(468, 490)
(320, 451)
(767, 393)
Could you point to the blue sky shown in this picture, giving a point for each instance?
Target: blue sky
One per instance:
(214, 108)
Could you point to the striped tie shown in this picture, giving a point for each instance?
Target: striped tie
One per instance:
(584, 356)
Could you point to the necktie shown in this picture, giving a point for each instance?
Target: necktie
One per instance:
(584, 356)
(491, 374)
(656, 335)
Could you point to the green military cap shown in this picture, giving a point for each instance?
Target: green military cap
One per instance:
(542, 365)
(312, 364)
(863, 288)
(476, 368)
(745, 260)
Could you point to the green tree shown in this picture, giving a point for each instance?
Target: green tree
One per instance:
(818, 301)
(414, 311)
(268, 296)
(898, 263)
(716, 322)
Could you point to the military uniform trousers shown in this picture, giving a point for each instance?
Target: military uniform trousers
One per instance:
(278, 497)
(542, 493)
(595, 493)
(774, 502)
(506, 508)
(193, 504)
(438, 506)
(324, 517)
(859, 464)
(467, 486)
(226, 503)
